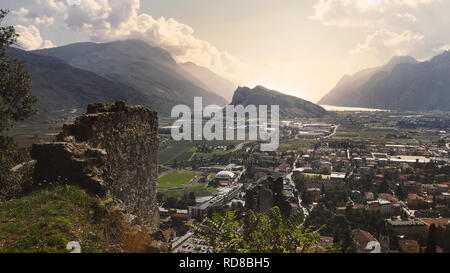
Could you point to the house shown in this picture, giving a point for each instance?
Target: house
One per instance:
(169, 234)
(364, 242)
(411, 187)
(413, 200)
(409, 246)
(314, 193)
(413, 227)
(443, 222)
(368, 196)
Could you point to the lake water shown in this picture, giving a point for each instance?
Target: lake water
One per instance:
(355, 109)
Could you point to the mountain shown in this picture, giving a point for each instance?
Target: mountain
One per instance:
(134, 63)
(290, 106)
(402, 84)
(210, 81)
(63, 90)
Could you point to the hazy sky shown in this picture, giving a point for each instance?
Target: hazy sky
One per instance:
(299, 47)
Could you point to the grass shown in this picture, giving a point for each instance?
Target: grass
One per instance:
(312, 175)
(46, 220)
(176, 150)
(376, 135)
(212, 189)
(200, 185)
(174, 179)
(198, 191)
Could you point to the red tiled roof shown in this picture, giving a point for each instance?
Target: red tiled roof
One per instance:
(362, 237)
(436, 221)
(181, 215)
(409, 246)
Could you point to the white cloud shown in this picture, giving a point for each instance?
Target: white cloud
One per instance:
(391, 27)
(363, 13)
(30, 38)
(441, 49)
(25, 16)
(108, 20)
(387, 43)
(41, 12)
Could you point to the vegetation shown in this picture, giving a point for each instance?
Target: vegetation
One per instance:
(258, 233)
(47, 219)
(174, 179)
(16, 104)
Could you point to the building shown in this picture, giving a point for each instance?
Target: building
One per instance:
(368, 196)
(225, 178)
(364, 242)
(411, 187)
(443, 222)
(314, 193)
(409, 246)
(414, 227)
(413, 200)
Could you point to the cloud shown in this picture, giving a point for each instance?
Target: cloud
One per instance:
(25, 16)
(442, 48)
(363, 13)
(41, 12)
(391, 27)
(30, 38)
(387, 43)
(108, 20)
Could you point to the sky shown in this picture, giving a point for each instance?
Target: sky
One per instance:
(298, 47)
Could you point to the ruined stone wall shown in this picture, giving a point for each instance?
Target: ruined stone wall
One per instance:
(109, 150)
(263, 196)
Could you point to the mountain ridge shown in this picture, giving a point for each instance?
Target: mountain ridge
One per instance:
(403, 84)
(134, 63)
(62, 88)
(290, 106)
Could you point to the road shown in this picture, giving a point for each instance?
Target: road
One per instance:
(240, 145)
(289, 178)
(18, 167)
(334, 132)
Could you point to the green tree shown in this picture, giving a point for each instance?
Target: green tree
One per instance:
(16, 104)
(258, 233)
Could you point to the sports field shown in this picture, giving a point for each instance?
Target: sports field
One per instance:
(174, 179)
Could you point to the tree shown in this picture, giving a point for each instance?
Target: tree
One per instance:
(445, 239)
(384, 187)
(258, 233)
(16, 104)
(431, 241)
(192, 201)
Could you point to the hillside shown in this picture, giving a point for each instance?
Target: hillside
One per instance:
(63, 90)
(150, 70)
(210, 81)
(290, 106)
(45, 220)
(402, 84)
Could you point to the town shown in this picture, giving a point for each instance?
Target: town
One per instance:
(377, 181)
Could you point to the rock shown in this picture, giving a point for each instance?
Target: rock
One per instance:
(111, 150)
(74, 246)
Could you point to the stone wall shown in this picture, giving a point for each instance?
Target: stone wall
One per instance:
(111, 150)
(260, 198)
